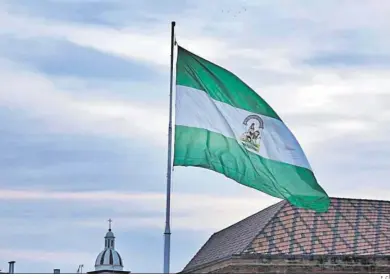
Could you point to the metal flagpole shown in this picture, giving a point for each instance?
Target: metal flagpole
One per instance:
(167, 232)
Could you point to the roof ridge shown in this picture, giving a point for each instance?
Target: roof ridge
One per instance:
(258, 212)
(283, 204)
(358, 199)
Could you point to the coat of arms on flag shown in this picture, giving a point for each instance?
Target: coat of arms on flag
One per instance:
(251, 138)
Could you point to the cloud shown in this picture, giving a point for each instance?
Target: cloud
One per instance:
(90, 11)
(104, 39)
(57, 57)
(349, 60)
(37, 96)
(152, 46)
(34, 157)
(54, 257)
(190, 211)
(201, 212)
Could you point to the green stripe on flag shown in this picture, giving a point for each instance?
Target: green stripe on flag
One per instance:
(222, 85)
(205, 149)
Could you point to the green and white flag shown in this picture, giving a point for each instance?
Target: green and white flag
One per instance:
(223, 125)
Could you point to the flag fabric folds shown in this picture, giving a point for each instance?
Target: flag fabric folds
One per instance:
(223, 125)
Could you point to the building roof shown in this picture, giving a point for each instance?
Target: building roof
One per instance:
(109, 257)
(350, 227)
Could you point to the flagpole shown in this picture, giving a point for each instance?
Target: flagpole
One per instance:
(167, 232)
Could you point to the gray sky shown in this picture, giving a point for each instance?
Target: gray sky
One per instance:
(84, 102)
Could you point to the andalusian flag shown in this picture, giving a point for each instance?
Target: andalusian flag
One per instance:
(224, 126)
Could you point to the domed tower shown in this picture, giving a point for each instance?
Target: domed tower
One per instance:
(109, 260)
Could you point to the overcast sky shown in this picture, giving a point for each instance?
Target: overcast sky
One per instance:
(84, 90)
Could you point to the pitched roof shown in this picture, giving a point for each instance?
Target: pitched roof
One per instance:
(350, 227)
(226, 242)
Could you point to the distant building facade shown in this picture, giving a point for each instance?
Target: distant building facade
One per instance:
(352, 237)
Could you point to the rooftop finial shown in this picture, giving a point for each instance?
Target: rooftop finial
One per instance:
(109, 224)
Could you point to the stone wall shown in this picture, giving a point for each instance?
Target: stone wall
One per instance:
(318, 264)
(302, 269)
